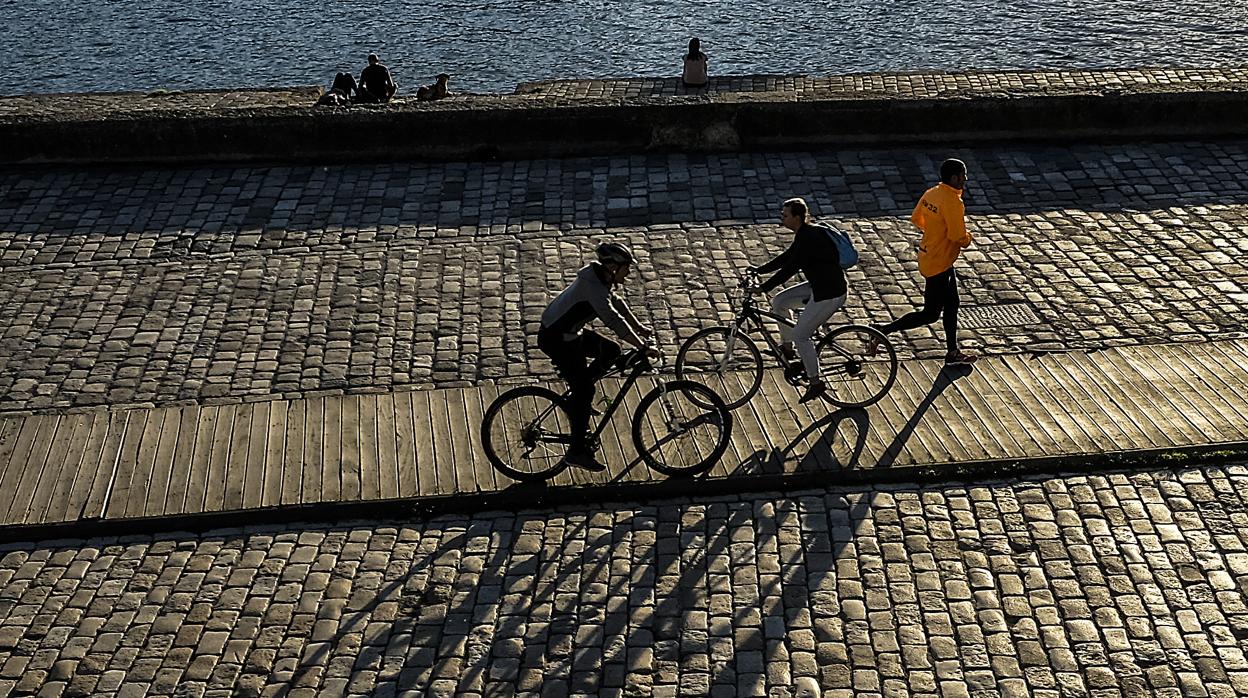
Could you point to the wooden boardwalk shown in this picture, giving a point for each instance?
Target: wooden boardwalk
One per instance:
(142, 463)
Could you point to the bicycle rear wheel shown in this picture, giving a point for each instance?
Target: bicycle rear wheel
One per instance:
(525, 433)
(854, 378)
(681, 428)
(726, 360)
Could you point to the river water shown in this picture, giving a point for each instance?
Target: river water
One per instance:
(491, 45)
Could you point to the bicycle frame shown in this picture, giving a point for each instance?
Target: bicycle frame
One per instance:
(640, 365)
(749, 313)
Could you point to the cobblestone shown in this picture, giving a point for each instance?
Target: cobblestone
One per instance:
(228, 284)
(1072, 585)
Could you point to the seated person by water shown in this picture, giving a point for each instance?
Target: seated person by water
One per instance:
(437, 90)
(376, 85)
(341, 92)
(694, 73)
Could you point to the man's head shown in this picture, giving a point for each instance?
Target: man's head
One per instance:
(794, 213)
(617, 259)
(372, 59)
(953, 173)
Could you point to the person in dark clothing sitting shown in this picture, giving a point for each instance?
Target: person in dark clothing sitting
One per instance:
(813, 253)
(341, 93)
(376, 85)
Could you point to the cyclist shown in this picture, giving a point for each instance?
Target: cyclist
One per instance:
(563, 338)
(814, 253)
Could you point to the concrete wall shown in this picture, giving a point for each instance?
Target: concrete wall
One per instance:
(490, 127)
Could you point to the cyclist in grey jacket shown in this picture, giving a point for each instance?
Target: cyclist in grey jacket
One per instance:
(569, 345)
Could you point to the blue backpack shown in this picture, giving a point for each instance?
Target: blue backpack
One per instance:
(844, 245)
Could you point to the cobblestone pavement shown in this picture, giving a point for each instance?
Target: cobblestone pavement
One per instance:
(1081, 585)
(154, 286)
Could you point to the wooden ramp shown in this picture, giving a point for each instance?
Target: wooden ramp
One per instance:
(143, 463)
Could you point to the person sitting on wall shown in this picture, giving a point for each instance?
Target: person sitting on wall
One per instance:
(694, 73)
(376, 86)
(341, 92)
(437, 90)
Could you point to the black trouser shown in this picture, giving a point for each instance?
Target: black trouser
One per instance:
(940, 294)
(569, 359)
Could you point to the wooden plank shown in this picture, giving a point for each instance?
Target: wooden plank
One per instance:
(34, 507)
(274, 454)
(426, 461)
(387, 446)
(370, 449)
(1053, 416)
(486, 394)
(465, 469)
(1156, 406)
(150, 501)
(25, 464)
(1065, 402)
(1124, 394)
(405, 445)
(1226, 400)
(293, 468)
(1224, 378)
(201, 460)
(1198, 408)
(1002, 434)
(773, 425)
(1007, 392)
(139, 444)
(615, 442)
(180, 466)
(331, 453)
(474, 408)
(974, 418)
(232, 427)
(443, 443)
(740, 445)
(94, 498)
(936, 442)
(958, 416)
(351, 437)
(313, 468)
(1098, 403)
(246, 474)
(83, 451)
(9, 430)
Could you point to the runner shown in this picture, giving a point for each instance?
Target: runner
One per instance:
(814, 253)
(563, 338)
(940, 215)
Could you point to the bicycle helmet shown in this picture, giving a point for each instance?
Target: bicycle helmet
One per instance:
(614, 253)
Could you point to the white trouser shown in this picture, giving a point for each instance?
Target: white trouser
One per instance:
(815, 314)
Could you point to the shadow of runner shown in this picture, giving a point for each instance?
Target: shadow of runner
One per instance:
(944, 379)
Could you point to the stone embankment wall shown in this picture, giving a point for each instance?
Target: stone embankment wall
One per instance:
(570, 118)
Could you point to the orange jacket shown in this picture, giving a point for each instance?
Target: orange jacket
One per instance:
(940, 215)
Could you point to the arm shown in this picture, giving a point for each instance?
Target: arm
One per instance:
(606, 309)
(621, 306)
(785, 266)
(956, 222)
(916, 216)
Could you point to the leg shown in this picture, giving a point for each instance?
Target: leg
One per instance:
(601, 352)
(951, 314)
(788, 300)
(933, 303)
(815, 314)
(570, 362)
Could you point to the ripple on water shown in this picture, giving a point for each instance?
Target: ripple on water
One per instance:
(494, 45)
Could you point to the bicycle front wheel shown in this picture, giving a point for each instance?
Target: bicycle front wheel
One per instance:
(681, 428)
(525, 433)
(726, 360)
(854, 377)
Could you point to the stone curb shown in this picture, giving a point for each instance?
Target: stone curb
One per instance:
(489, 127)
(528, 496)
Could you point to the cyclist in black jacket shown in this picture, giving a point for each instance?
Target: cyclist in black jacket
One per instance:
(813, 253)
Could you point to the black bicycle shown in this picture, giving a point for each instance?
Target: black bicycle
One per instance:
(858, 363)
(680, 427)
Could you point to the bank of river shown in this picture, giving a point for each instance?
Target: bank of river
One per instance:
(491, 46)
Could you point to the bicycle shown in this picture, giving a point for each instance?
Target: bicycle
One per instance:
(680, 427)
(731, 362)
